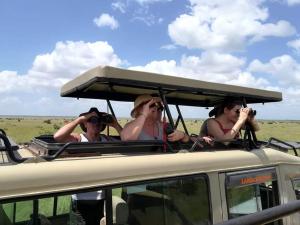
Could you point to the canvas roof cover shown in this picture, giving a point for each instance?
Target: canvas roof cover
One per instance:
(125, 85)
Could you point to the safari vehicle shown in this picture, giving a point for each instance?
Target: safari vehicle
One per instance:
(153, 182)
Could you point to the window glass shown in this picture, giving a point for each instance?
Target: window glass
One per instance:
(6, 214)
(48, 212)
(183, 200)
(63, 204)
(23, 210)
(46, 206)
(243, 201)
(251, 191)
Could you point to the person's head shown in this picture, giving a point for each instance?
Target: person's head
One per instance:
(156, 108)
(95, 123)
(229, 108)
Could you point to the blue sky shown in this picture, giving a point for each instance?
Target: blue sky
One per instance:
(43, 44)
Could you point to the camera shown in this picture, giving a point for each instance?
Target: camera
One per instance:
(252, 112)
(158, 105)
(169, 129)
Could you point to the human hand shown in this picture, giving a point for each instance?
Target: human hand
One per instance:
(86, 117)
(146, 108)
(244, 113)
(208, 140)
(176, 136)
(114, 123)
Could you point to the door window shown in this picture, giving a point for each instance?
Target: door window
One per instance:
(181, 201)
(251, 191)
(50, 210)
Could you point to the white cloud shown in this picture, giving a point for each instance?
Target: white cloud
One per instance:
(295, 44)
(292, 2)
(210, 66)
(106, 20)
(148, 19)
(284, 68)
(71, 58)
(121, 6)
(23, 93)
(168, 47)
(225, 25)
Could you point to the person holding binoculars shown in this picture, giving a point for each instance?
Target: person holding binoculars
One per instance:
(147, 123)
(88, 206)
(92, 124)
(229, 118)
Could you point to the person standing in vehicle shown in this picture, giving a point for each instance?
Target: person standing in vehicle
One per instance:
(89, 205)
(147, 123)
(229, 118)
(92, 123)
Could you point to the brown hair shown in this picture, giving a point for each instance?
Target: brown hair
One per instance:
(219, 109)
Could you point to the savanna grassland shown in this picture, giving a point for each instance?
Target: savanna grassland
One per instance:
(23, 129)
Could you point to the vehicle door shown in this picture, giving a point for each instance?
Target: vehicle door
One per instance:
(249, 191)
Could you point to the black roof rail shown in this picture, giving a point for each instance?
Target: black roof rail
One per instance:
(265, 216)
(109, 147)
(2, 131)
(52, 150)
(10, 150)
(283, 145)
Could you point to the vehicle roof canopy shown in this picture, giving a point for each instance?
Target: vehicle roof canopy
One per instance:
(125, 85)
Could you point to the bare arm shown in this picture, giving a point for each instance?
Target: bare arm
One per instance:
(116, 125)
(64, 134)
(132, 130)
(215, 130)
(178, 135)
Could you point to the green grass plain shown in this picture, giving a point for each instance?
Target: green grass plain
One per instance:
(23, 129)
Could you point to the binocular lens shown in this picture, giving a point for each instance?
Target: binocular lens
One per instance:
(157, 105)
(94, 120)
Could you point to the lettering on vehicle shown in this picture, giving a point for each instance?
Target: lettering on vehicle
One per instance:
(256, 180)
(249, 177)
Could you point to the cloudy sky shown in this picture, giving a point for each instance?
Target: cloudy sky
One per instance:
(43, 44)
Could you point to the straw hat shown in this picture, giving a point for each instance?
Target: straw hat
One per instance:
(140, 100)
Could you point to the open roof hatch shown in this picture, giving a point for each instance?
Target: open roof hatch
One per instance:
(125, 85)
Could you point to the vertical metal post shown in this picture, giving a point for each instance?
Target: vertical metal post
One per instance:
(108, 206)
(111, 111)
(181, 118)
(110, 108)
(162, 96)
(55, 206)
(35, 214)
(14, 212)
(177, 122)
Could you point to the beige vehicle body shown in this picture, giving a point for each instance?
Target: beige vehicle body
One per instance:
(143, 186)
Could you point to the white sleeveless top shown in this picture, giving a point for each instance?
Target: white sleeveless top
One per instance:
(93, 195)
(145, 136)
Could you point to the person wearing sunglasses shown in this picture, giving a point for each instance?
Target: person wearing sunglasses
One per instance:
(92, 124)
(147, 123)
(88, 206)
(229, 118)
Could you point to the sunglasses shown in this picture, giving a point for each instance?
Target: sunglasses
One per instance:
(158, 106)
(94, 120)
(237, 111)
